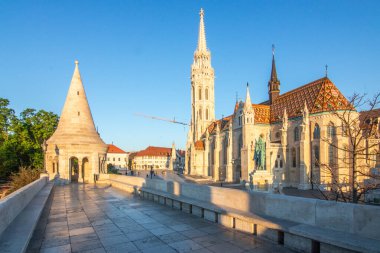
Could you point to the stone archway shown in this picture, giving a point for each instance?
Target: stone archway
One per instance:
(86, 170)
(74, 169)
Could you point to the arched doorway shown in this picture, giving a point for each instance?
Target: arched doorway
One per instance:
(85, 170)
(74, 169)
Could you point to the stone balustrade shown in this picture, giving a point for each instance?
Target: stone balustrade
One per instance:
(287, 218)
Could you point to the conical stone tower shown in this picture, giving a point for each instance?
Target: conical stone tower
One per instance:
(75, 151)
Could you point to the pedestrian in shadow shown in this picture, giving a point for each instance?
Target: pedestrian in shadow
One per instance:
(151, 172)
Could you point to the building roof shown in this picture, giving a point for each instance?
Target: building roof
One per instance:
(114, 149)
(76, 125)
(366, 118)
(320, 96)
(199, 145)
(155, 151)
(181, 152)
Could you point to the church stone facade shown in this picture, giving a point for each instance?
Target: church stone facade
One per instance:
(276, 142)
(75, 151)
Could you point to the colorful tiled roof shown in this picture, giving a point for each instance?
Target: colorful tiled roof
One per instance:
(320, 96)
(366, 117)
(199, 145)
(223, 123)
(155, 151)
(262, 113)
(114, 149)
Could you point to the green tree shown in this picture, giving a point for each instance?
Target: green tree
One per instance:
(22, 137)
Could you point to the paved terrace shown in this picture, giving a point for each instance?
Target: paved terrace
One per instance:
(102, 219)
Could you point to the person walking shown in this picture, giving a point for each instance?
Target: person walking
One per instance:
(151, 172)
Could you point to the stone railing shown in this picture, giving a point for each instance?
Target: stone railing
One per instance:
(14, 203)
(306, 224)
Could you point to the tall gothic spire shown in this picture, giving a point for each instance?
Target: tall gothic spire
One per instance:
(202, 46)
(274, 83)
(273, 75)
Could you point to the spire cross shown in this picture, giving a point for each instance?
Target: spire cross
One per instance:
(326, 69)
(201, 13)
(76, 62)
(273, 49)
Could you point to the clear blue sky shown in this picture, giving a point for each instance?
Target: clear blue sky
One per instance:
(135, 56)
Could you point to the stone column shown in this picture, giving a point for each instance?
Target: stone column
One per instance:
(229, 170)
(216, 154)
(206, 155)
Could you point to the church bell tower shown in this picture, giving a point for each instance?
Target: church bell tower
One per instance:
(202, 86)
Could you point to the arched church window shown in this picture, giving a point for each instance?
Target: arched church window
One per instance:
(296, 134)
(331, 155)
(345, 155)
(206, 113)
(317, 132)
(331, 130)
(294, 161)
(316, 156)
(240, 145)
(298, 156)
(200, 94)
(206, 93)
(212, 152)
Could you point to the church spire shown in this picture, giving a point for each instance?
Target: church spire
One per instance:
(273, 75)
(274, 83)
(247, 98)
(202, 47)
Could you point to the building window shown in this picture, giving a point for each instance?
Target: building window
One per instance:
(345, 155)
(200, 113)
(212, 152)
(78, 93)
(298, 156)
(331, 130)
(294, 158)
(206, 93)
(317, 132)
(331, 155)
(200, 94)
(240, 145)
(114, 159)
(316, 156)
(277, 135)
(206, 113)
(281, 163)
(119, 159)
(296, 134)
(108, 159)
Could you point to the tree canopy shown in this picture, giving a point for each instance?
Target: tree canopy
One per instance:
(21, 137)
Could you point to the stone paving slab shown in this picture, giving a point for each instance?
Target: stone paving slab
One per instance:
(86, 218)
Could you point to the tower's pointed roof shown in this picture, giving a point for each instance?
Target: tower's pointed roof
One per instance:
(76, 125)
(248, 103)
(273, 74)
(202, 46)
